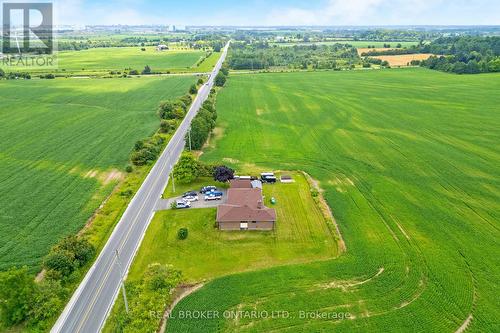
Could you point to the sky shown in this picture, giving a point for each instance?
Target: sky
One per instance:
(277, 12)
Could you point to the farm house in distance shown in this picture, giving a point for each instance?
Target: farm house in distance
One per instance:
(245, 208)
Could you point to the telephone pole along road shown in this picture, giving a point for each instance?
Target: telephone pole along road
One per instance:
(90, 304)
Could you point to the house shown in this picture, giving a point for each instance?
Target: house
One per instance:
(245, 183)
(161, 47)
(244, 209)
(240, 183)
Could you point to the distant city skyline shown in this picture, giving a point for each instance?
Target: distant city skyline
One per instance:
(279, 12)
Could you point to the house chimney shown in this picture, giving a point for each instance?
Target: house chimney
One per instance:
(260, 205)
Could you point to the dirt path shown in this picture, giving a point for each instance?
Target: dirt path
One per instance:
(464, 326)
(182, 293)
(325, 208)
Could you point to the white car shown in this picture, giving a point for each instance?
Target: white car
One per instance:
(212, 197)
(191, 198)
(181, 204)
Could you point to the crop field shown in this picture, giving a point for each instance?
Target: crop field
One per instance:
(410, 164)
(63, 146)
(403, 59)
(121, 58)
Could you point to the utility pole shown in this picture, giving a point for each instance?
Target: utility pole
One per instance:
(122, 277)
(189, 138)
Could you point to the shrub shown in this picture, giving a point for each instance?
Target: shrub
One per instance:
(129, 168)
(46, 302)
(220, 80)
(146, 70)
(182, 233)
(186, 99)
(61, 262)
(69, 254)
(193, 89)
(16, 291)
(167, 126)
(172, 110)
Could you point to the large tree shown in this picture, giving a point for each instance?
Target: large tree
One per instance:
(223, 174)
(220, 80)
(16, 289)
(186, 170)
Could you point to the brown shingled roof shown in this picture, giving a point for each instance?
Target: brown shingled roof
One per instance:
(241, 183)
(245, 204)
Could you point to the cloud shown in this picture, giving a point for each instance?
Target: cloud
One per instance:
(334, 12)
(355, 12)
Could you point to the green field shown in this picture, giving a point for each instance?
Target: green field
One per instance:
(121, 58)
(410, 164)
(301, 235)
(63, 146)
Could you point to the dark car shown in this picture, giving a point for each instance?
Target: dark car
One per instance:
(208, 189)
(268, 177)
(189, 194)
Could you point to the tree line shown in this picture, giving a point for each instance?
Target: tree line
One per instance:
(262, 56)
(460, 55)
(464, 55)
(22, 299)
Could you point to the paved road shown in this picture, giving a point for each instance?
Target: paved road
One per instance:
(90, 304)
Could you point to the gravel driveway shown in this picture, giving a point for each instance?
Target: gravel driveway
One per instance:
(164, 204)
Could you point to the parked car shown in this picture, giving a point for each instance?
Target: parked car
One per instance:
(191, 198)
(182, 204)
(190, 194)
(208, 189)
(268, 177)
(213, 197)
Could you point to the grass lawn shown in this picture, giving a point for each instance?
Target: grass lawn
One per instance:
(410, 164)
(301, 235)
(64, 145)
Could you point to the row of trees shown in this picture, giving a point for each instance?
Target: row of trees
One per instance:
(204, 122)
(22, 299)
(202, 125)
(410, 50)
(14, 75)
(464, 55)
(170, 113)
(188, 169)
(147, 150)
(460, 55)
